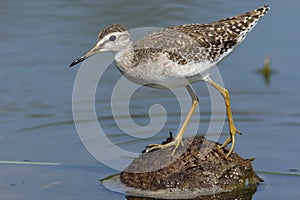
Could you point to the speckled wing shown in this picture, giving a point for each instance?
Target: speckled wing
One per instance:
(202, 42)
(175, 45)
(221, 37)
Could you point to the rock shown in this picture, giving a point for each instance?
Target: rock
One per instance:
(199, 166)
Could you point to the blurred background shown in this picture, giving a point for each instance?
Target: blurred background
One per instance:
(38, 41)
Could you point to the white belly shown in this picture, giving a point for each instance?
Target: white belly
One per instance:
(168, 74)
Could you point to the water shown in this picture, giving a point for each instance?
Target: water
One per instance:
(40, 39)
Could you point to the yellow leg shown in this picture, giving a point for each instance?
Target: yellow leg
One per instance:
(178, 139)
(232, 129)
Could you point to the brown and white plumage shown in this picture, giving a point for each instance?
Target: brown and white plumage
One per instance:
(187, 52)
(178, 56)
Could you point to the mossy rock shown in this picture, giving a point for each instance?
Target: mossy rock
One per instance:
(199, 166)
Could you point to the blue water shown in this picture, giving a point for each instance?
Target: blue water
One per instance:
(40, 39)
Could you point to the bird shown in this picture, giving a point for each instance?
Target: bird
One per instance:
(178, 56)
(266, 70)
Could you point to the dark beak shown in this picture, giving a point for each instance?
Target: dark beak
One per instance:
(88, 54)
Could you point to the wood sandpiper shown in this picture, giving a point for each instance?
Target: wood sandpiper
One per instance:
(176, 57)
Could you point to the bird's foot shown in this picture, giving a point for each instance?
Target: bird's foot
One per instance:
(169, 142)
(231, 139)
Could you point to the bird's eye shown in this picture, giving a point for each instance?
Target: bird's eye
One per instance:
(112, 38)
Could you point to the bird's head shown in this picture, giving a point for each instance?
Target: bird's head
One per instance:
(114, 38)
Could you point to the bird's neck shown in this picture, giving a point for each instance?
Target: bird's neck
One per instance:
(125, 58)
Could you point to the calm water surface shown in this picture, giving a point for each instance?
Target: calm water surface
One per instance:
(40, 39)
